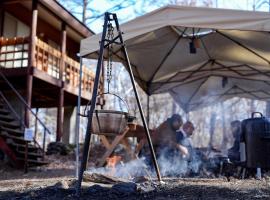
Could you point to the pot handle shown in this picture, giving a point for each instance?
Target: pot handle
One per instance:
(253, 114)
(117, 97)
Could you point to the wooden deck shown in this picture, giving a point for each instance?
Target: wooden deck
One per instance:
(45, 71)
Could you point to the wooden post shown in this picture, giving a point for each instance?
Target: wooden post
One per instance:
(60, 110)
(31, 60)
(63, 50)
(2, 18)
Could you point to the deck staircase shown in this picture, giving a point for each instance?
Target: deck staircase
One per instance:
(12, 141)
(21, 153)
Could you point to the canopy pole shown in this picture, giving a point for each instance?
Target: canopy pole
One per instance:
(92, 107)
(148, 110)
(77, 131)
(137, 98)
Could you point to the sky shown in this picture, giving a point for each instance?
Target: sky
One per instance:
(129, 13)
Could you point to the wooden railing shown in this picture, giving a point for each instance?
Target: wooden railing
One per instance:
(47, 58)
(72, 74)
(14, 54)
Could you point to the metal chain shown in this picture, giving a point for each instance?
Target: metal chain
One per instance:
(110, 37)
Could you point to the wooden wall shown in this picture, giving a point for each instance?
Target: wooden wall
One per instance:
(45, 31)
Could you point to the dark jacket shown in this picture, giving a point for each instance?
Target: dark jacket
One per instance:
(181, 140)
(234, 151)
(179, 137)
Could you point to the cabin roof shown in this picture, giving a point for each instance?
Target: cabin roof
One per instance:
(67, 16)
(53, 12)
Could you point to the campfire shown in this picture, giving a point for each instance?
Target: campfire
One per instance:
(111, 164)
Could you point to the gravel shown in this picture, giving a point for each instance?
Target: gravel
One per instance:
(189, 188)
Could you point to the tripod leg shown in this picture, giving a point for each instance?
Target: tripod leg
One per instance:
(92, 108)
(138, 99)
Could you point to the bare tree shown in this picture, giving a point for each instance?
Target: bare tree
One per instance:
(89, 13)
(257, 4)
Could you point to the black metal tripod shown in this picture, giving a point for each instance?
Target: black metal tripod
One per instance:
(103, 44)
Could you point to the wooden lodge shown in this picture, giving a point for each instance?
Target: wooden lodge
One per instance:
(38, 54)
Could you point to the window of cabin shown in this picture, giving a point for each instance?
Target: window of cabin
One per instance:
(54, 59)
(15, 53)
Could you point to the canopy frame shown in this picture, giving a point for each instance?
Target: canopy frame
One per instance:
(234, 42)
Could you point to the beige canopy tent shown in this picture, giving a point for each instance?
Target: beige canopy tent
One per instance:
(198, 55)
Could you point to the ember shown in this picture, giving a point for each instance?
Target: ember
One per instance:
(112, 162)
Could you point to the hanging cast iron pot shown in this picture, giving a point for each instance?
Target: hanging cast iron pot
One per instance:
(111, 122)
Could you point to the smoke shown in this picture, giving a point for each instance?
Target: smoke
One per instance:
(175, 166)
(134, 168)
(172, 166)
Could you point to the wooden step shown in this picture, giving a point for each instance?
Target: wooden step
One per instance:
(4, 111)
(40, 155)
(35, 162)
(9, 124)
(15, 138)
(7, 118)
(21, 147)
(11, 131)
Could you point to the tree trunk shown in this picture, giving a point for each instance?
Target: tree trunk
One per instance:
(225, 136)
(85, 3)
(267, 109)
(212, 128)
(252, 106)
(174, 107)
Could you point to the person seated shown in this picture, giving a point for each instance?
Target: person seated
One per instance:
(184, 140)
(234, 151)
(190, 155)
(164, 136)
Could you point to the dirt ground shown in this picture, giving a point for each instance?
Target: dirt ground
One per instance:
(56, 181)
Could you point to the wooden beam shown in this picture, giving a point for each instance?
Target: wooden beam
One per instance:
(60, 115)
(31, 61)
(111, 148)
(2, 18)
(63, 50)
(12, 1)
(14, 72)
(60, 110)
(46, 77)
(33, 33)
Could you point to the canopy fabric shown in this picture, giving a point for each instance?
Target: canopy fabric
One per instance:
(232, 54)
